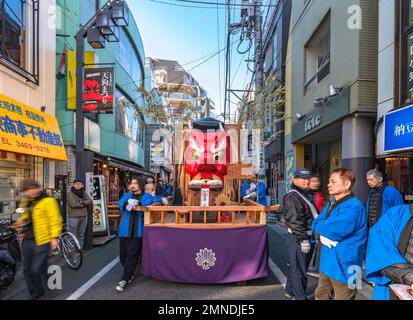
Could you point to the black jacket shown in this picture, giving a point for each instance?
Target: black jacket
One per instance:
(297, 214)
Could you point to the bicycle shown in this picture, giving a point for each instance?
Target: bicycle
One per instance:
(68, 246)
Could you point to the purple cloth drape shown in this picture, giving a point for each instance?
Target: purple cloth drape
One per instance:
(201, 256)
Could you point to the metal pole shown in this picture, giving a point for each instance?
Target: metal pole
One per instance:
(258, 52)
(80, 121)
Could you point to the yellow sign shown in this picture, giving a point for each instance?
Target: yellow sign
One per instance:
(29, 131)
(71, 75)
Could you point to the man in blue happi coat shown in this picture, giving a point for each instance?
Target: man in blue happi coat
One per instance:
(341, 229)
(389, 257)
(131, 227)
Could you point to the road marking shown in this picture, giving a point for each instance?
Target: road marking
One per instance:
(82, 290)
(277, 272)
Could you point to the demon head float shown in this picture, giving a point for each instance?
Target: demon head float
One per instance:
(207, 154)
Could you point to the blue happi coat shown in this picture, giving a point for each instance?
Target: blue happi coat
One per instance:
(391, 198)
(347, 224)
(261, 191)
(382, 248)
(147, 200)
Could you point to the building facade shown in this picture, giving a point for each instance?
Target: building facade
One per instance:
(394, 127)
(30, 141)
(275, 50)
(116, 138)
(332, 88)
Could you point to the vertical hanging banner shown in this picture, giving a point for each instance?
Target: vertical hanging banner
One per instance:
(98, 90)
(71, 75)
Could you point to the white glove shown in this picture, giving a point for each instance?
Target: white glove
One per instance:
(251, 195)
(165, 201)
(132, 203)
(253, 186)
(305, 246)
(327, 242)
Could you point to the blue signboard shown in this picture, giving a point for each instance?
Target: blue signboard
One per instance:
(398, 130)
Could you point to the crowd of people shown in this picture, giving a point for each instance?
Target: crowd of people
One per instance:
(340, 234)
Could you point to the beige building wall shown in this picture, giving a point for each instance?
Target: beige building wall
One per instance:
(16, 87)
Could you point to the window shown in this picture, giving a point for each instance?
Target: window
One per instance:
(128, 58)
(407, 54)
(87, 10)
(19, 37)
(275, 52)
(317, 52)
(127, 123)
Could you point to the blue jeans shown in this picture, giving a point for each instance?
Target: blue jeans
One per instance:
(35, 267)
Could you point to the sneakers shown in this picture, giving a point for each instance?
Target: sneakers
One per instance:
(307, 297)
(121, 286)
(289, 296)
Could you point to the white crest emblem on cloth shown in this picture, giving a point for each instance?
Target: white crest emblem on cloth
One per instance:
(205, 259)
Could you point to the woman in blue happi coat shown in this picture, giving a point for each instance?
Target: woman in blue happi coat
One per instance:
(341, 229)
(389, 257)
(131, 227)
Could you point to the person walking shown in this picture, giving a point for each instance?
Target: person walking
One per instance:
(78, 202)
(315, 187)
(42, 224)
(299, 213)
(381, 197)
(131, 229)
(318, 199)
(342, 230)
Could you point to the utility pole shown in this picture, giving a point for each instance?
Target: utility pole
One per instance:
(259, 74)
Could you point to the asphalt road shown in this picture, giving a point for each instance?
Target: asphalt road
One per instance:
(101, 271)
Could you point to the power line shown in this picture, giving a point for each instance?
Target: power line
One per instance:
(183, 5)
(219, 3)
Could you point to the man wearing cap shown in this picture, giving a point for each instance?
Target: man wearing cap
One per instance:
(299, 213)
(42, 226)
(78, 202)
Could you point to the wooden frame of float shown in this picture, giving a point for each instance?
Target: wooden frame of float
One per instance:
(255, 215)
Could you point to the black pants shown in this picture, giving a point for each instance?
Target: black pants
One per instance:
(130, 252)
(297, 271)
(35, 267)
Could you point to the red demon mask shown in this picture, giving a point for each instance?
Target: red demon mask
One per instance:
(207, 155)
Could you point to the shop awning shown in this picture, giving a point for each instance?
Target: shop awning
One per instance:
(29, 131)
(126, 166)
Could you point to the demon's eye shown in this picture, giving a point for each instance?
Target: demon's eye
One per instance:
(219, 156)
(195, 155)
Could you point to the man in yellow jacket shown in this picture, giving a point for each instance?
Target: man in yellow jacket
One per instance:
(42, 224)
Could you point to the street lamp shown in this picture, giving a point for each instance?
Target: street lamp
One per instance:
(120, 14)
(100, 28)
(95, 38)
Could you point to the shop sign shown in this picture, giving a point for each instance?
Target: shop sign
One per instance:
(100, 213)
(98, 95)
(29, 131)
(398, 128)
(312, 122)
